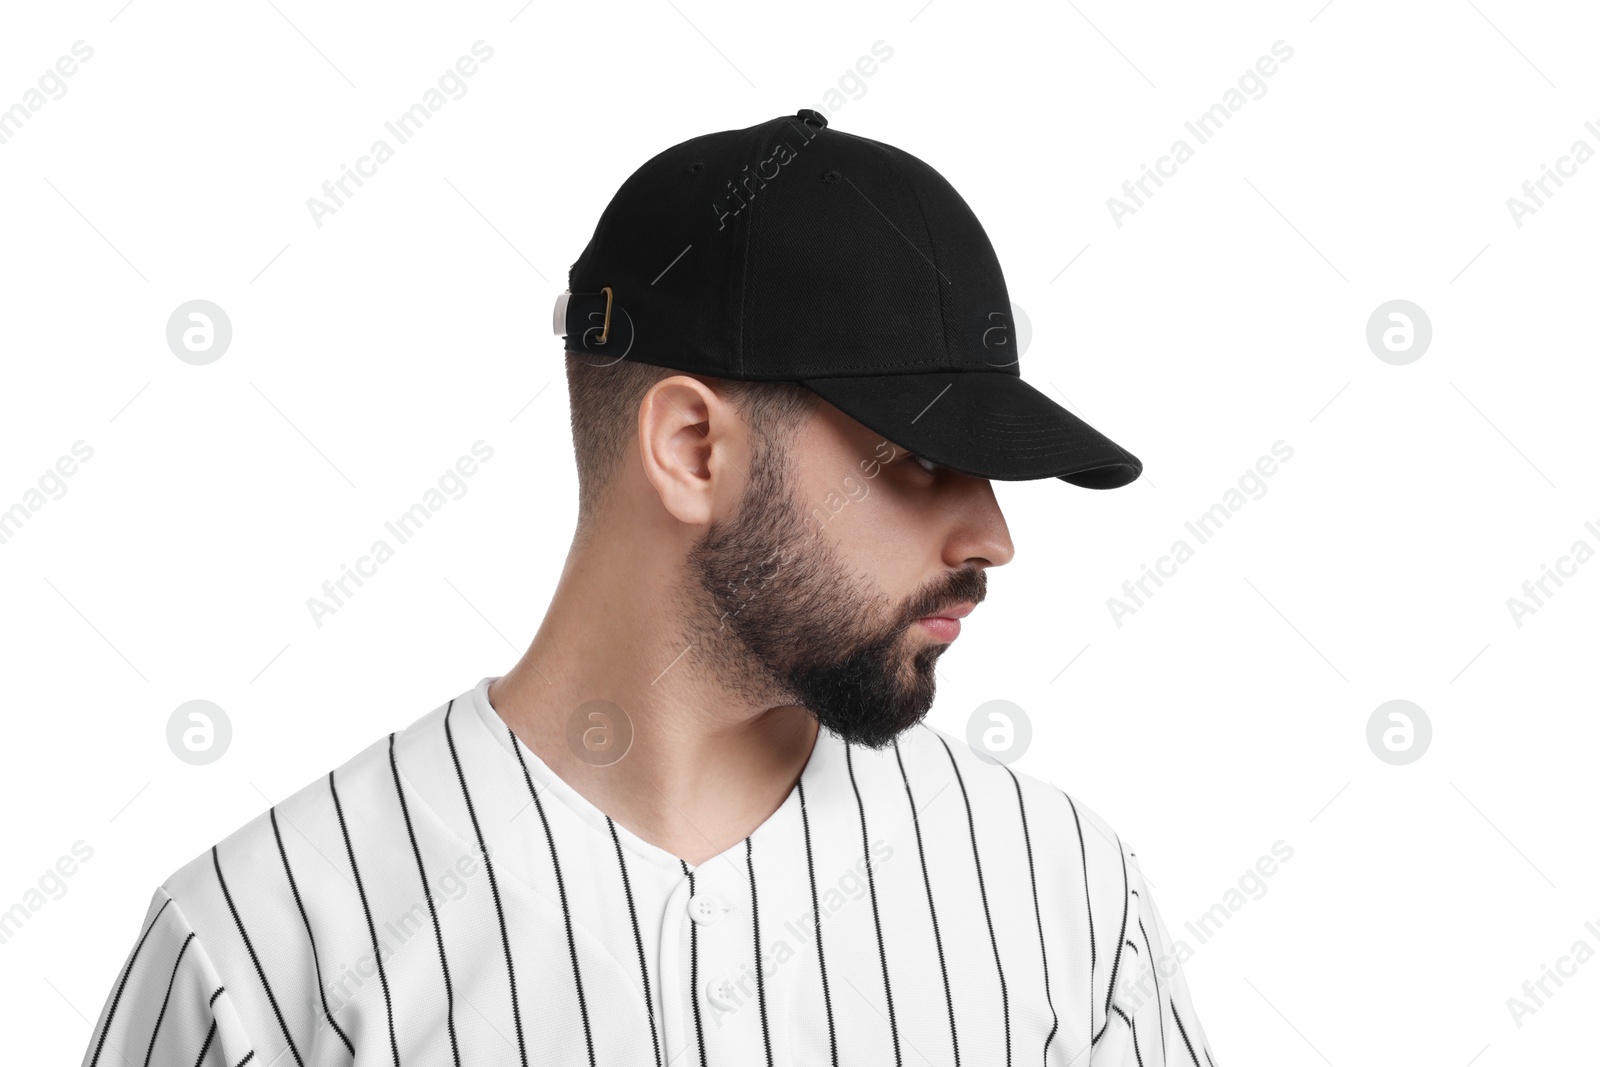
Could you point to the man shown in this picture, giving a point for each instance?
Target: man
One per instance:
(701, 821)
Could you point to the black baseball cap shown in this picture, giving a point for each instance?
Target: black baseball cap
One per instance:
(788, 251)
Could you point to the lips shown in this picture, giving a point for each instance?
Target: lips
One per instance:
(946, 626)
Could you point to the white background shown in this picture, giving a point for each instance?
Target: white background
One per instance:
(1228, 313)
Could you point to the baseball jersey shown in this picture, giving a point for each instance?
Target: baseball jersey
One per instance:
(444, 898)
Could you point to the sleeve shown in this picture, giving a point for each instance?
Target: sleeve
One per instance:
(1152, 1022)
(168, 1005)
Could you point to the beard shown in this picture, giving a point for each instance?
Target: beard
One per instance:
(778, 617)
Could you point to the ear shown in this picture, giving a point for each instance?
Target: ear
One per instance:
(693, 448)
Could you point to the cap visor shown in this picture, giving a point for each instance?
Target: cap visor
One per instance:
(982, 423)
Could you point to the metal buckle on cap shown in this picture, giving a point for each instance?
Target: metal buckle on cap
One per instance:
(591, 320)
(605, 324)
(558, 321)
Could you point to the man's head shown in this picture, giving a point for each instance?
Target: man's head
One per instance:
(836, 283)
(810, 546)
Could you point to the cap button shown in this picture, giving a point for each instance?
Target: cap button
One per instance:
(805, 114)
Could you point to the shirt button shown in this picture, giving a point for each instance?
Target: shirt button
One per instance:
(705, 909)
(720, 992)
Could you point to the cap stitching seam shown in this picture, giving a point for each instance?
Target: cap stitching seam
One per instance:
(933, 255)
(756, 144)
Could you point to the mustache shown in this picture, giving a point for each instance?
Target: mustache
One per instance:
(969, 583)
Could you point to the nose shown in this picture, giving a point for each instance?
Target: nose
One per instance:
(979, 535)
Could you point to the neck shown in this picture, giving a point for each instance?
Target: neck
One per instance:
(707, 763)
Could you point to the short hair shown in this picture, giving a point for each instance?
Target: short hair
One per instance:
(605, 399)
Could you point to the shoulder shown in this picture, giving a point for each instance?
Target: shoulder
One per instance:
(243, 920)
(272, 867)
(1090, 889)
(1053, 820)
(366, 772)
(222, 963)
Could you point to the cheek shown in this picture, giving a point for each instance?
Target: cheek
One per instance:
(880, 537)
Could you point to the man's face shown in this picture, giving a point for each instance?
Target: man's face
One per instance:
(817, 583)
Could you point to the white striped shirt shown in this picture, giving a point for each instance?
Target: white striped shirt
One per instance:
(444, 898)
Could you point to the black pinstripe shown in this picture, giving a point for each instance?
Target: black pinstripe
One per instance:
(816, 915)
(433, 911)
(561, 887)
(694, 971)
(638, 941)
(1088, 908)
(872, 891)
(1133, 1027)
(155, 1031)
(216, 862)
(1116, 959)
(205, 1047)
(1038, 918)
(983, 893)
(933, 912)
(1183, 1033)
(494, 887)
(366, 909)
(1160, 1015)
(123, 983)
(306, 919)
(755, 922)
